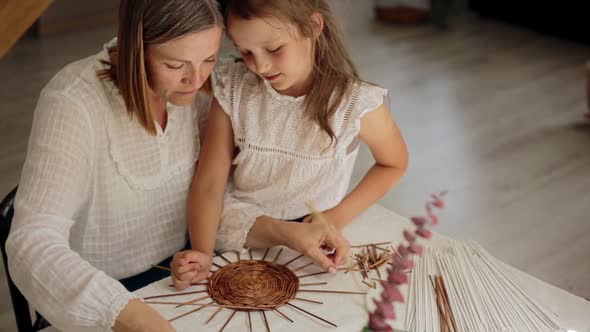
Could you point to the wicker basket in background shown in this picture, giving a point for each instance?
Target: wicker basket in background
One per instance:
(405, 12)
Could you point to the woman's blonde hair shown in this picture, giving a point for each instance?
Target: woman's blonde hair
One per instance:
(334, 73)
(144, 22)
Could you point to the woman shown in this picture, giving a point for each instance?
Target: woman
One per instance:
(110, 159)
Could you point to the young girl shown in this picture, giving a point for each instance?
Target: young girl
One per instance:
(295, 109)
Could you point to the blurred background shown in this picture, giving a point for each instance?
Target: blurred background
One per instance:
(489, 94)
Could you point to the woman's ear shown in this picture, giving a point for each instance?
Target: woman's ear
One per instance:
(317, 22)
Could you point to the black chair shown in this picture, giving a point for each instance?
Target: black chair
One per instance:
(19, 303)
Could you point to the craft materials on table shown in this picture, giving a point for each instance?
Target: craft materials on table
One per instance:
(368, 258)
(251, 286)
(479, 290)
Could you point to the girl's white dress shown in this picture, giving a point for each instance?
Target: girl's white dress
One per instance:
(284, 159)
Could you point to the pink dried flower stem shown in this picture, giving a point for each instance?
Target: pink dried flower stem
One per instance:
(396, 273)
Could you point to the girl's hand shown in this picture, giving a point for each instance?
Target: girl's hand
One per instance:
(188, 267)
(330, 216)
(310, 238)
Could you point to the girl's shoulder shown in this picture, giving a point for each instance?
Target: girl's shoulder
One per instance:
(231, 80)
(361, 97)
(231, 71)
(365, 97)
(367, 91)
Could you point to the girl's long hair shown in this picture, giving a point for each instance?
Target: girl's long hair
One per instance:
(334, 73)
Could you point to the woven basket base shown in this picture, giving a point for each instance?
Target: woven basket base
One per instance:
(248, 283)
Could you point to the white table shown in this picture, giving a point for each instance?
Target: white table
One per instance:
(348, 311)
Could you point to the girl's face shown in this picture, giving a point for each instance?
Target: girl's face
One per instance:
(178, 68)
(275, 51)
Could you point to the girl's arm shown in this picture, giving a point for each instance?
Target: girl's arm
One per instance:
(306, 238)
(205, 205)
(205, 200)
(381, 134)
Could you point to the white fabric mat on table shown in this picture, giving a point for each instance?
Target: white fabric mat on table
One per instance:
(377, 224)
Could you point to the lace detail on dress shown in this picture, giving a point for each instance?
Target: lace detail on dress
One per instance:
(283, 152)
(353, 99)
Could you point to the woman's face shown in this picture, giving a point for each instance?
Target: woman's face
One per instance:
(177, 68)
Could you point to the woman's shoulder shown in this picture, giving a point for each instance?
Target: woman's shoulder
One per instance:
(79, 83)
(74, 94)
(81, 80)
(80, 75)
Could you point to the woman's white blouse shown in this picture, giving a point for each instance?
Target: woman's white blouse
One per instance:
(99, 198)
(284, 159)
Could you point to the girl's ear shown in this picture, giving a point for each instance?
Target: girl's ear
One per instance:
(317, 22)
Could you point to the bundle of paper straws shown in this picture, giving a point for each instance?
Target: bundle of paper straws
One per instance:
(482, 294)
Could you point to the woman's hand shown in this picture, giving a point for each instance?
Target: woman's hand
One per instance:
(188, 267)
(137, 316)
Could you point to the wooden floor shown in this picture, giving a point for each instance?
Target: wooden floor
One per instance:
(494, 114)
(491, 112)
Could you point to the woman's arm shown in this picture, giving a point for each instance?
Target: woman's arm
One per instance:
(384, 139)
(64, 287)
